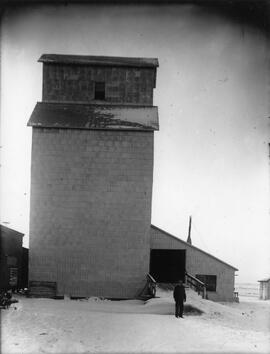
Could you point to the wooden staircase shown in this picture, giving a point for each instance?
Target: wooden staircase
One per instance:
(196, 285)
(149, 290)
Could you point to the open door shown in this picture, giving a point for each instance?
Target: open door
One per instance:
(168, 266)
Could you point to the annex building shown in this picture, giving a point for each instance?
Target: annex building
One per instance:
(91, 184)
(173, 258)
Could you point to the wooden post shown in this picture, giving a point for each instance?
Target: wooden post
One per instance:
(189, 231)
(204, 292)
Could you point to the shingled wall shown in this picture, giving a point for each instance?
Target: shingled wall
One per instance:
(68, 83)
(91, 210)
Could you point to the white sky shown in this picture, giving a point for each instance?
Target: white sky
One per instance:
(211, 153)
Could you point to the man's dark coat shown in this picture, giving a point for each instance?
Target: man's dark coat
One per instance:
(179, 293)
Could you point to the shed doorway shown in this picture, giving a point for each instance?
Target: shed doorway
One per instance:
(168, 266)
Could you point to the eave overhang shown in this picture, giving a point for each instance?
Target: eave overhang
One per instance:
(99, 60)
(93, 116)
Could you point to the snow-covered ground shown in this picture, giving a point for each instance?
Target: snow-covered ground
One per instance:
(132, 326)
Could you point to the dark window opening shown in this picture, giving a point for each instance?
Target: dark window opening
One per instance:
(99, 90)
(167, 266)
(209, 280)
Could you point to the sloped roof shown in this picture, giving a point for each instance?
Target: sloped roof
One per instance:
(98, 60)
(196, 248)
(264, 280)
(10, 231)
(90, 116)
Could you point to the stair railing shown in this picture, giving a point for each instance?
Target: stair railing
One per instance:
(149, 289)
(151, 285)
(197, 285)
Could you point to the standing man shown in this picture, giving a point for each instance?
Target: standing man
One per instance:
(179, 295)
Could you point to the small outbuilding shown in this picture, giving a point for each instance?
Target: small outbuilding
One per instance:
(172, 259)
(265, 289)
(12, 258)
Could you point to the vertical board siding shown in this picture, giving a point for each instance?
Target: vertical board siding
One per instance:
(198, 262)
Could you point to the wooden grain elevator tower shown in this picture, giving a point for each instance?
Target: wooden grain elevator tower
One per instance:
(91, 175)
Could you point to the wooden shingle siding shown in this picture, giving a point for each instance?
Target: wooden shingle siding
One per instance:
(91, 210)
(71, 83)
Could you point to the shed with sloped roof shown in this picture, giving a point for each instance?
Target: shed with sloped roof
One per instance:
(171, 259)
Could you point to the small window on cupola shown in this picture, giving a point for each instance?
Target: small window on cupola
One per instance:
(100, 91)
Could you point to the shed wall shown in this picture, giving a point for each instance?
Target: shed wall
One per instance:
(10, 246)
(90, 210)
(76, 83)
(265, 290)
(198, 262)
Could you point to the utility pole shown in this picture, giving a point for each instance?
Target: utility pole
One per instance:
(189, 231)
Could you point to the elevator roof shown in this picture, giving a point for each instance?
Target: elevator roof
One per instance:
(99, 60)
(89, 116)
